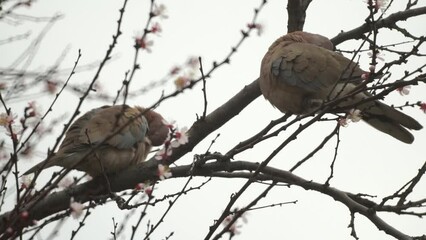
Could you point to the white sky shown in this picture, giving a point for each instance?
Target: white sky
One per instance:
(368, 162)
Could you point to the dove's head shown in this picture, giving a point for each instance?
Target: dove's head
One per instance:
(311, 38)
(158, 130)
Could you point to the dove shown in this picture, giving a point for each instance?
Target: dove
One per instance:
(300, 71)
(108, 139)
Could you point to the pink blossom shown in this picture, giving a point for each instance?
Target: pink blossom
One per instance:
(76, 209)
(51, 86)
(181, 137)
(381, 4)
(144, 187)
(354, 115)
(343, 122)
(160, 11)
(163, 153)
(175, 70)
(234, 228)
(378, 4)
(24, 215)
(379, 55)
(257, 26)
(65, 182)
(26, 181)
(148, 191)
(142, 43)
(6, 119)
(139, 186)
(14, 131)
(182, 82)
(163, 172)
(405, 90)
(156, 28)
(32, 109)
(193, 62)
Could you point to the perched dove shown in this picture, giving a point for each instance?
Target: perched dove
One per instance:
(94, 131)
(300, 71)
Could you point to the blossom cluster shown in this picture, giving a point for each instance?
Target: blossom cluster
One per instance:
(177, 137)
(186, 73)
(234, 228)
(354, 115)
(145, 187)
(378, 4)
(14, 129)
(141, 42)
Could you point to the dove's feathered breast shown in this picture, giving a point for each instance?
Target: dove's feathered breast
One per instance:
(108, 139)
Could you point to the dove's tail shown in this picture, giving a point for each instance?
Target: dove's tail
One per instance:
(41, 165)
(389, 120)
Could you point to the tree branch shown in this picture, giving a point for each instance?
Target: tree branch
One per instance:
(388, 22)
(296, 10)
(59, 201)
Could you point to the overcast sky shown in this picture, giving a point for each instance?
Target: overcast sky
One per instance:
(368, 161)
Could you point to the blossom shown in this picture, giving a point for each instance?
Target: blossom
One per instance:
(65, 182)
(343, 122)
(51, 86)
(139, 186)
(405, 90)
(6, 119)
(148, 191)
(365, 76)
(14, 131)
(257, 26)
(381, 4)
(175, 70)
(160, 11)
(181, 137)
(144, 187)
(182, 82)
(24, 215)
(423, 107)
(379, 55)
(378, 4)
(193, 62)
(233, 229)
(142, 43)
(354, 115)
(26, 181)
(76, 208)
(163, 153)
(32, 109)
(156, 28)
(163, 172)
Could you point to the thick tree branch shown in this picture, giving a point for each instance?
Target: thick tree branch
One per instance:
(59, 201)
(296, 10)
(388, 22)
